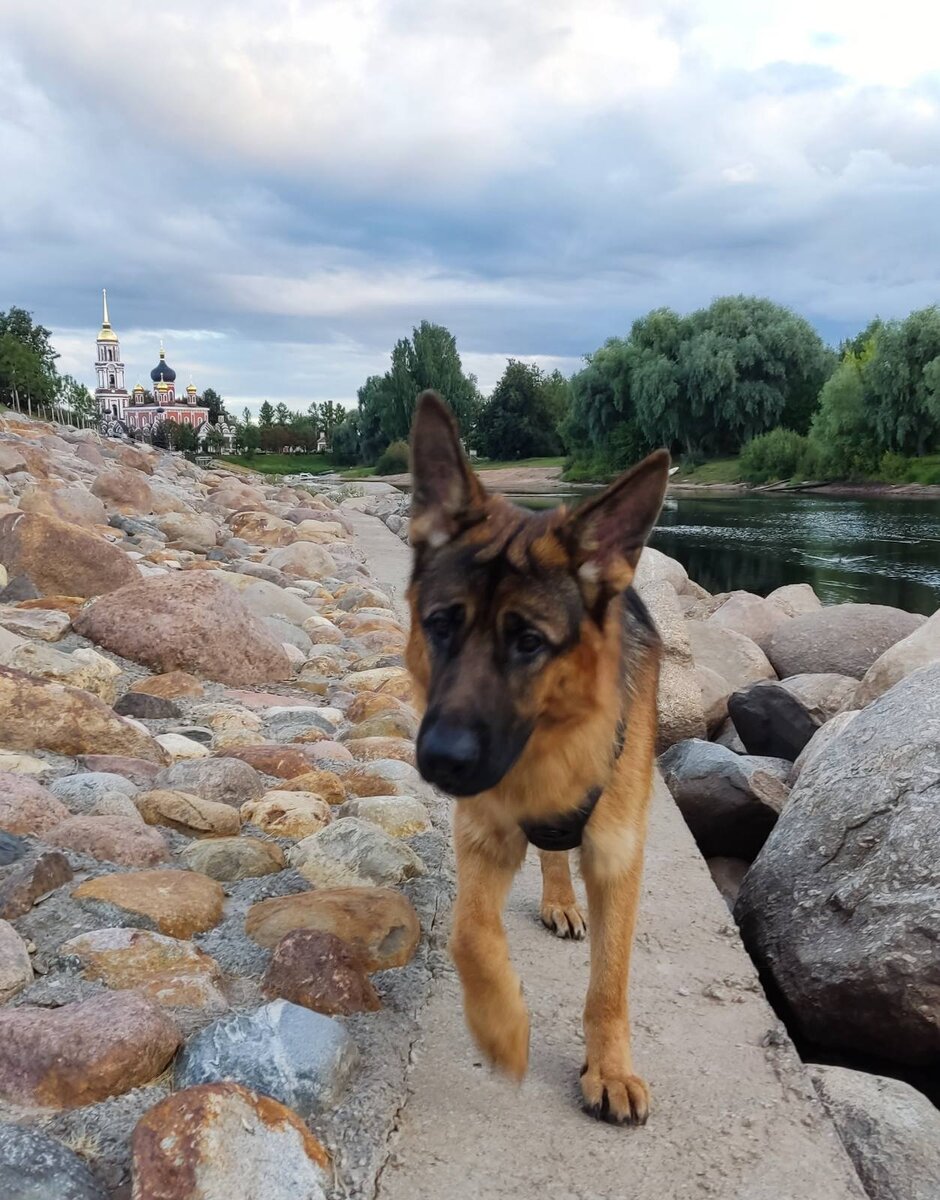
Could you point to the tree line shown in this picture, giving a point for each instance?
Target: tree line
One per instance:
(29, 378)
(742, 376)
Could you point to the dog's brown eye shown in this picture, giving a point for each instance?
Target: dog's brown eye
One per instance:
(529, 642)
(444, 623)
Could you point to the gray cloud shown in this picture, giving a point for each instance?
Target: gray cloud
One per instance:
(284, 189)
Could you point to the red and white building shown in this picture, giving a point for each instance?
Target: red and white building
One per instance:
(140, 411)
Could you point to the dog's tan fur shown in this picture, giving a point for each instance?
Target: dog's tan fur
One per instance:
(606, 677)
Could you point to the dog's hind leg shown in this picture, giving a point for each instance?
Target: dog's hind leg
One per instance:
(493, 1004)
(560, 911)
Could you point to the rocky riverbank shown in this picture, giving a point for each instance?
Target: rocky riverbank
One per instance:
(802, 745)
(220, 874)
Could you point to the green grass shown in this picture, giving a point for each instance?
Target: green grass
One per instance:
(282, 464)
(924, 470)
(487, 464)
(358, 472)
(719, 470)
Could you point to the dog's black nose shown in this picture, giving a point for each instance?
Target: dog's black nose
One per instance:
(449, 755)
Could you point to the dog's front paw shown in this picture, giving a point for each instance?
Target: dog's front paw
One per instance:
(500, 1027)
(564, 920)
(619, 1097)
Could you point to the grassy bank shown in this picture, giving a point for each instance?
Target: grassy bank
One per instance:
(283, 464)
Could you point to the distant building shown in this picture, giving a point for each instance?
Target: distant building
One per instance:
(138, 413)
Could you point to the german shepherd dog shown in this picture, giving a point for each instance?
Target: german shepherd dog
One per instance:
(536, 667)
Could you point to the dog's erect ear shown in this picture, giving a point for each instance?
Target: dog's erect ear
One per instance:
(446, 494)
(607, 534)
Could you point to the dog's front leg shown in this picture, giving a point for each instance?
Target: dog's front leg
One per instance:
(493, 1005)
(612, 867)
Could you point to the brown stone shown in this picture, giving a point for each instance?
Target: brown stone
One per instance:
(231, 858)
(371, 704)
(171, 972)
(16, 970)
(262, 529)
(288, 814)
(173, 686)
(188, 813)
(361, 781)
(36, 714)
(67, 604)
(191, 622)
(326, 752)
(125, 490)
(110, 839)
(282, 761)
(62, 559)
(26, 807)
(72, 504)
(316, 969)
(220, 1139)
(394, 724)
(370, 749)
(321, 783)
(140, 772)
(379, 924)
(82, 1053)
(180, 903)
(23, 883)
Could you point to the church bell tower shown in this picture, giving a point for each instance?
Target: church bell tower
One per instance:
(110, 394)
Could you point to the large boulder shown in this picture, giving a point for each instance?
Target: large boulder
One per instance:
(823, 696)
(842, 906)
(188, 622)
(124, 489)
(729, 654)
(794, 599)
(729, 801)
(890, 1130)
(910, 654)
(71, 503)
(679, 699)
(821, 741)
(36, 714)
(62, 559)
(304, 559)
(844, 639)
(771, 721)
(189, 531)
(221, 1139)
(750, 615)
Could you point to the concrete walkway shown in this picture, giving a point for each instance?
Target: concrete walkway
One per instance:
(734, 1114)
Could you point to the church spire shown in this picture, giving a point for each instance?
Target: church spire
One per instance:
(106, 322)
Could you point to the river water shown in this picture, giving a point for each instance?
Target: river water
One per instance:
(869, 551)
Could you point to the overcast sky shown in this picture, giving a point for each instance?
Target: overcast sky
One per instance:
(281, 189)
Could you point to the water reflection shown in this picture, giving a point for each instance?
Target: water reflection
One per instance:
(869, 551)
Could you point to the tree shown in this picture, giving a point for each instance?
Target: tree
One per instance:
(266, 415)
(76, 399)
(184, 438)
(428, 359)
(161, 435)
(898, 382)
(28, 376)
(216, 406)
(346, 438)
(518, 420)
(282, 414)
(843, 432)
(214, 441)
(247, 418)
